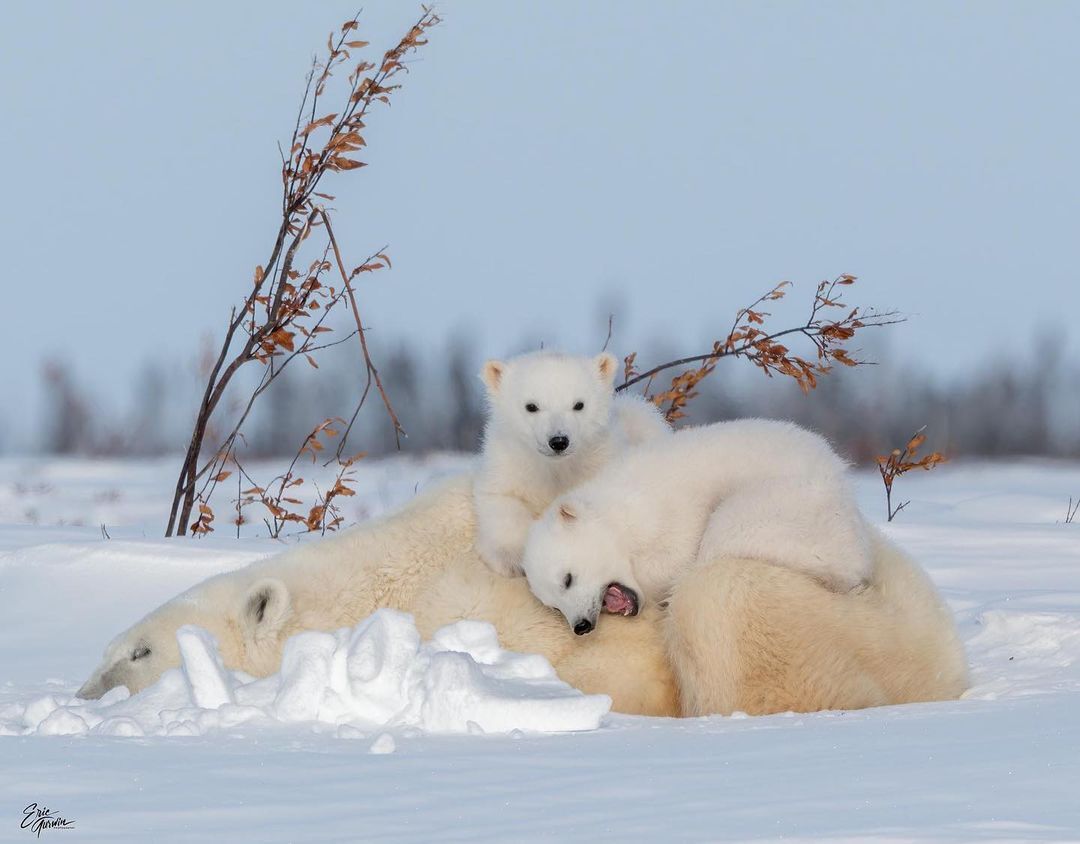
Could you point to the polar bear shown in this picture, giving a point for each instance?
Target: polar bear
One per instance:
(553, 422)
(741, 636)
(756, 488)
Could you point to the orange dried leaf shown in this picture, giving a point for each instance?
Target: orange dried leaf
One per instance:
(340, 162)
(315, 124)
(283, 338)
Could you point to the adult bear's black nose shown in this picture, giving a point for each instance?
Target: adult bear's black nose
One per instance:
(584, 626)
(559, 444)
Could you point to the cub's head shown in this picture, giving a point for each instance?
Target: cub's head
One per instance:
(574, 562)
(557, 404)
(248, 631)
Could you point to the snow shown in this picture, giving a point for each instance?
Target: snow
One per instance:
(378, 674)
(371, 734)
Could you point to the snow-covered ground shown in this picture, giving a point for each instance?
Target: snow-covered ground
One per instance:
(1003, 763)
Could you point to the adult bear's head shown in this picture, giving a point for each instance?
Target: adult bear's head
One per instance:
(248, 623)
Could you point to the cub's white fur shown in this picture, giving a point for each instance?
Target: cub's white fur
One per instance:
(756, 489)
(553, 423)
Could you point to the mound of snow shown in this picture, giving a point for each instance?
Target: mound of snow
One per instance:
(1023, 653)
(375, 676)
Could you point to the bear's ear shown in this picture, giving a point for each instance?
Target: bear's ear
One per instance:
(264, 609)
(606, 364)
(567, 512)
(492, 374)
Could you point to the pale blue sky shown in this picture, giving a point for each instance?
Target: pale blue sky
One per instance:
(542, 156)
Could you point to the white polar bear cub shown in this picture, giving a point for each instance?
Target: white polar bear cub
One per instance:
(553, 422)
(753, 488)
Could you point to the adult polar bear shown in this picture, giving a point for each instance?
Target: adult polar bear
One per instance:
(738, 634)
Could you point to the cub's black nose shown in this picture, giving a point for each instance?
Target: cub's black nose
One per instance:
(582, 627)
(559, 444)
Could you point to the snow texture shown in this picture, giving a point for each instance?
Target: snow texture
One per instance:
(333, 749)
(376, 675)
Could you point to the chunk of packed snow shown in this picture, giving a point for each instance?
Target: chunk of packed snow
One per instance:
(203, 667)
(363, 680)
(384, 743)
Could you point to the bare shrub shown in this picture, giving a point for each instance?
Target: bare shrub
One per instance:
(284, 315)
(900, 461)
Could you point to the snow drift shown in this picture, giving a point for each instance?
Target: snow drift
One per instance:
(374, 676)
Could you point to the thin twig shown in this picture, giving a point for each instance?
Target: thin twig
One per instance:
(610, 323)
(346, 279)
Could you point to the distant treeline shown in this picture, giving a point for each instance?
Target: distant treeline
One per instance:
(1007, 407)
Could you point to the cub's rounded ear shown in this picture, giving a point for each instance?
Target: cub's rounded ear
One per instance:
(264, 609)
(606, 365)
(492, 374)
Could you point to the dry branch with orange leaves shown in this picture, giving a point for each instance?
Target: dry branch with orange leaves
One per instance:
(748, 338)
(279, 499)
(284, 314)
(902, 460)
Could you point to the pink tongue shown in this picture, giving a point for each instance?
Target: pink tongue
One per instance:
(617, 601)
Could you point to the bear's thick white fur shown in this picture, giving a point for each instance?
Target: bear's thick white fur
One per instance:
(739, 635)
(745, 635)
(755, 488)
(532, 399)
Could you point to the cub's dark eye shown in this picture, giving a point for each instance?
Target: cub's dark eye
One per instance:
(532, 408)
(567, 581)
(140, 652)
(579, 405)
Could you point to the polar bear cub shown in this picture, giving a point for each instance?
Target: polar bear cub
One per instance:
(753, 488)
(553, 422)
